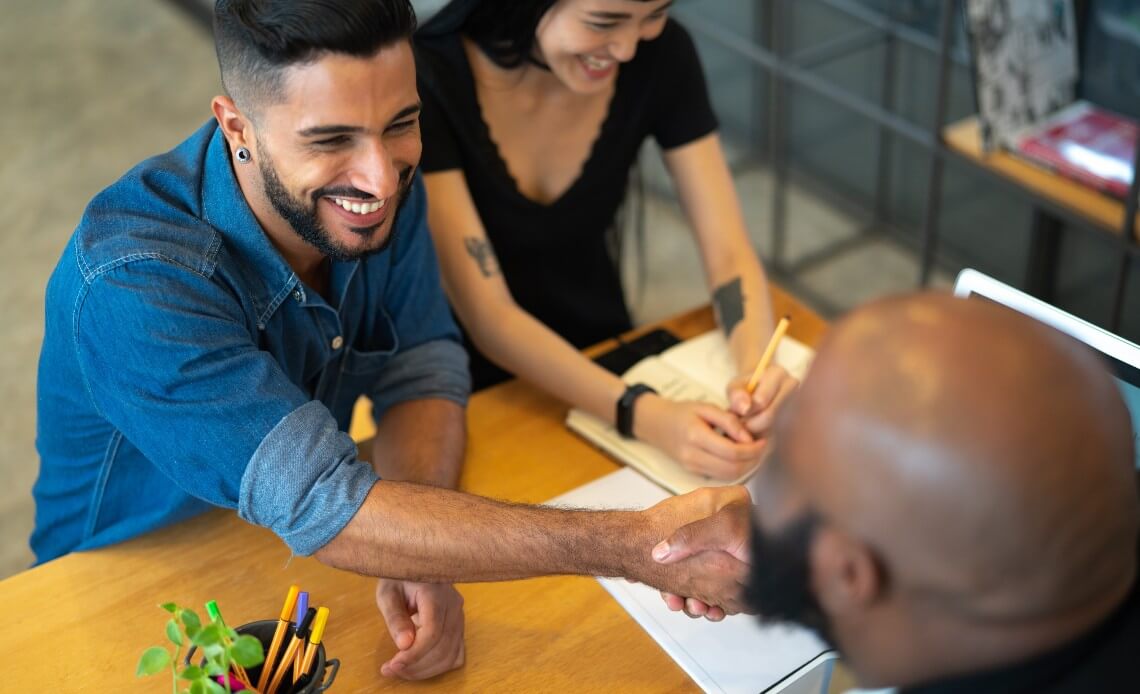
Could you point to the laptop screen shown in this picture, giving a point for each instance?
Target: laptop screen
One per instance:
(1121, 357)
(1130, 388)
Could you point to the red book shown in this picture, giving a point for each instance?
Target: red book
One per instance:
(1087, 144)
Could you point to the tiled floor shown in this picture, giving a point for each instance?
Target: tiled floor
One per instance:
(93, 86)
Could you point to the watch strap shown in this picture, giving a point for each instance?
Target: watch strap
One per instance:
(624, 416)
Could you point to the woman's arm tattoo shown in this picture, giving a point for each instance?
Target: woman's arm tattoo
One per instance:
(484, 256)
(728, 305)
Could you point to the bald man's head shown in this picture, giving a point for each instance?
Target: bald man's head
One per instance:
(972, 471)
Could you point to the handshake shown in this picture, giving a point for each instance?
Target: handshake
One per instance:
(702, 565)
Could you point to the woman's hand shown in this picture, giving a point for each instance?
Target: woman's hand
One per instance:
(758, 411)
(702, 437)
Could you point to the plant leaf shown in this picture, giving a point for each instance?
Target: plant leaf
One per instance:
(169, 607)
(208, 635)
(173, 632)
(192, 672)
(190, 619)
(198, 686)
(153, 660)
(247, 651)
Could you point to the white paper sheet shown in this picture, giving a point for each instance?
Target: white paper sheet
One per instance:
(736, 655)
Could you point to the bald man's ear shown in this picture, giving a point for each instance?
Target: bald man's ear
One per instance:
(236, 126)
(846, 575)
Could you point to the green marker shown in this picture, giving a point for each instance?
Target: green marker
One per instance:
(216, 615)
(214, 612)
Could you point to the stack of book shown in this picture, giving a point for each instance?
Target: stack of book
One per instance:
(1085, 143)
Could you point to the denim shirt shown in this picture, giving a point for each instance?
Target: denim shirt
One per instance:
(185, 365)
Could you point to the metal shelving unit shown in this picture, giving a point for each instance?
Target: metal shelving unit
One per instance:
(782, 70)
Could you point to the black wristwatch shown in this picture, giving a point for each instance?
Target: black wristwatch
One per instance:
(624, 416)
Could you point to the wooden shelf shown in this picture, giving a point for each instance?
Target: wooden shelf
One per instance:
(1098, 208)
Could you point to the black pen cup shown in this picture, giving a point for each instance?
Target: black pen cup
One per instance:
(320, 676)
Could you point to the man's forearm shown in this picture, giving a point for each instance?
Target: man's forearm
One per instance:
(420, 533)
(415, 532)
(421, 441)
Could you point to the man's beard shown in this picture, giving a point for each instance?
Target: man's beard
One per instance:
(779, 585)
(305, 222)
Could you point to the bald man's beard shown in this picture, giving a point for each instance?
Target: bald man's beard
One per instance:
(304, 220)
(779, 584)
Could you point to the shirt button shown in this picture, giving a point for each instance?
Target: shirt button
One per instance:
(297, 295)
(337, 342)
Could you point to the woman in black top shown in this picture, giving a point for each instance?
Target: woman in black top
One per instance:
(533, 114)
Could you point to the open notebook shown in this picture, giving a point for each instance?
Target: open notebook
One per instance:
(697, 369)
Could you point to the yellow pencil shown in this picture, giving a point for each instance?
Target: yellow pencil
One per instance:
(769, 352)
(278, 636)
(314, 643)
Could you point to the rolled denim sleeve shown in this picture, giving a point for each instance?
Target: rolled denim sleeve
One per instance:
(305, 504)
(436, 369)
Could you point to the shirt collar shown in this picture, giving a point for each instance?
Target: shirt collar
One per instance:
(224, 207)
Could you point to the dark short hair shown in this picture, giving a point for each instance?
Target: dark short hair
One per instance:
(256, 40)
(503, 29)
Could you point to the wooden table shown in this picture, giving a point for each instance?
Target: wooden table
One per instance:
(79, 623)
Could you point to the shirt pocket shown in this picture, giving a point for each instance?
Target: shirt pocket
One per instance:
(372, 353)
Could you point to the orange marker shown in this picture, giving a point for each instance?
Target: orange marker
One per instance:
(302, 610)
(278, 636)
(314, 643)
(299, 636)
(298, 662)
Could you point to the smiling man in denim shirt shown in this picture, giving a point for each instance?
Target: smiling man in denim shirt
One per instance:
(221, 307)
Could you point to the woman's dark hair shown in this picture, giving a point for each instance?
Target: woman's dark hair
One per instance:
(257, 40)
(503, 29)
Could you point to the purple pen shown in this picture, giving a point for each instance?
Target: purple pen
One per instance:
(302, 606)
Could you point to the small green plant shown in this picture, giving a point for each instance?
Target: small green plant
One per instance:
(220, 646)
